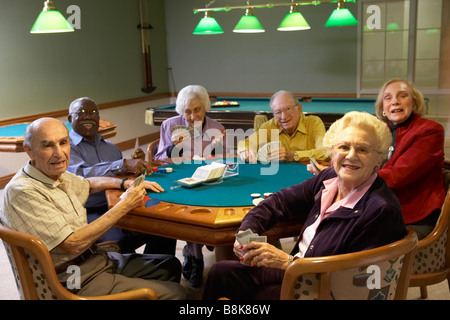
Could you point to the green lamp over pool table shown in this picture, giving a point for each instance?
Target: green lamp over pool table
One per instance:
(341, 17)
(208, 25)
(293, 21)
(249, 23)
(51, 20)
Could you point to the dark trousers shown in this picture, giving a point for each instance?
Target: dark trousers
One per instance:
(233, 280)
(129, 241)
(426, 225)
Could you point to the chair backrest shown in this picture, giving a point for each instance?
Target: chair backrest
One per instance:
(152, 149)
(381, 273)
(31, 263)
(433, 251)
(35, 274)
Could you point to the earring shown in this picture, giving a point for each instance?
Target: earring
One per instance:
(384, 114)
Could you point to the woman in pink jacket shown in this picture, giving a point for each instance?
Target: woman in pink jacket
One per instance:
(416, 158)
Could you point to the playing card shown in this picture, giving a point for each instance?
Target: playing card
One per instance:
(177, 128)
(242, 237)
(181, 133)
(273, 146)
(257, 238)
(136, 144)
(262, 154)
(264, 151)
(314, 163)
(248, 236)
(139, 180)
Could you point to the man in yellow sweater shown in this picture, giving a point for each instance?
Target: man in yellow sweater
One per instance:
(300, 136)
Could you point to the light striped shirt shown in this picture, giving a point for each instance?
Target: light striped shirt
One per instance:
(47, 209)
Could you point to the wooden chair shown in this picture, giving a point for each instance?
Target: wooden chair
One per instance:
(432, 262)
(382, 273)
(152, 149)
(35, 274)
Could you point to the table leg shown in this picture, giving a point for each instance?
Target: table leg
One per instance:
(224, 253)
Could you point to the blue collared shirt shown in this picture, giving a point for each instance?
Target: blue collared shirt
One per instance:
(98, 159)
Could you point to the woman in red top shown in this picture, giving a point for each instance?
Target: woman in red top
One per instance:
(416, 158)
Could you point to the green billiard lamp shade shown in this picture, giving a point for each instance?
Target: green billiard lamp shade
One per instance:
(341, 17)
(248, 23)
(393, 27)
(208, 25)
(51, 20)
(293, 21)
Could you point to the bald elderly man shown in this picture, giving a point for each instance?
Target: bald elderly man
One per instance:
(46, 201)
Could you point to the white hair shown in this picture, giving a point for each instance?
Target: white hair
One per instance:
(361, 120)
(193, 91)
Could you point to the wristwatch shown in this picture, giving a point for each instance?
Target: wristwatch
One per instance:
(122, 186)
(296, 157)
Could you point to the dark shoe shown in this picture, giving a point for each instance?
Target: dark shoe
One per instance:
(197, 273)
(187, 263)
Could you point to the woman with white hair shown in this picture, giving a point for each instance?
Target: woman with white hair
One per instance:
(347, 208)
(192, 104)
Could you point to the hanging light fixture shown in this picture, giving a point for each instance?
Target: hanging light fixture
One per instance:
(208, 25)
(293, 21)
(51, 20)
(249, 23)
(341, 17)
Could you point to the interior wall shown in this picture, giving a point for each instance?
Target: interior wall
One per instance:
(103, 60)
(319, 60)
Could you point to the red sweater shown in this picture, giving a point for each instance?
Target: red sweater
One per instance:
(414, 171)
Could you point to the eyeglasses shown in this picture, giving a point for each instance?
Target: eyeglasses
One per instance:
(83, 113)
(360, 149)
(286, 110)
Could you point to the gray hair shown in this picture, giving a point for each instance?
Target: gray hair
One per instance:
(193, 91)
(74, 104)
(361, 120)
(282, 92)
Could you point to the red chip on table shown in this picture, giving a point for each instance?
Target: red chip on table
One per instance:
(155, 169)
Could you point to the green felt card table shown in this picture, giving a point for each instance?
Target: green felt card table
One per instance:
(210, 213)
(249, 109)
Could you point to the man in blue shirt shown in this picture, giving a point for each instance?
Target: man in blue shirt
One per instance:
(93, 156)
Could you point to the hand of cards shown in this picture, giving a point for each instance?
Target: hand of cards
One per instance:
(183, 133)
(137, 182)
(265, 150)
(248, 236)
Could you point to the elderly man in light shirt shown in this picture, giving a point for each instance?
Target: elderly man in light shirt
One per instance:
(300, 136)
(46, 201)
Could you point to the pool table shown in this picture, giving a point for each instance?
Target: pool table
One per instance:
(11, 136)
(243, 116)
(210, 213)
